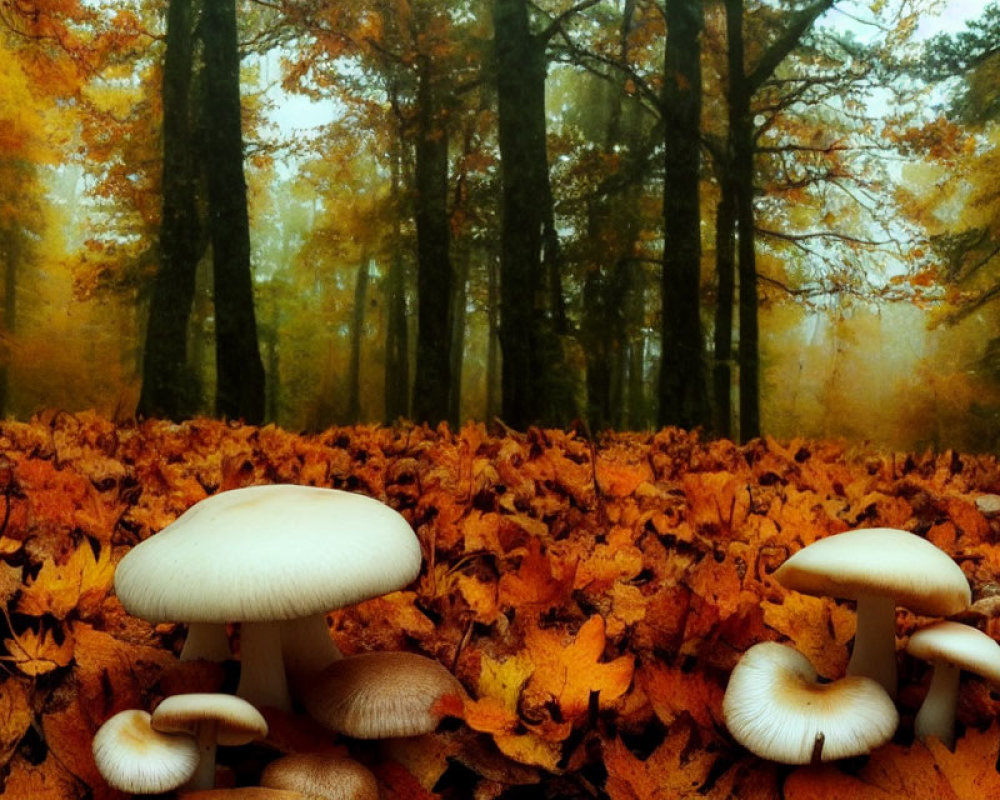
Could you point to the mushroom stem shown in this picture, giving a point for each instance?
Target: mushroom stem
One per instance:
(307, 649)
(874, 654)
(936, 716)
(262, 670)
(207, 640)
(205, 737)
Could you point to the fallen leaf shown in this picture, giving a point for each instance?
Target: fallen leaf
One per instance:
(39, 652)
(672, 771)
(80, 583)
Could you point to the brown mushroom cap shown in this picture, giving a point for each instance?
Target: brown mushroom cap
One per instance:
(329, 777)
(879, 562)
(380, 695)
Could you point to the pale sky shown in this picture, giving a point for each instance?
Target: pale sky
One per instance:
(952, 18)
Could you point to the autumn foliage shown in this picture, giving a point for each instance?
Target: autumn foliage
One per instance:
(592, 595)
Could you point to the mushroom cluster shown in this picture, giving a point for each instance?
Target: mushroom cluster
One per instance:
(879, 569)
(273, 560)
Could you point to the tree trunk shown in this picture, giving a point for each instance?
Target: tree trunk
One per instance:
(167, 387)
(534, 387)
(682, 388)
(432, 376)
(357, 338)
(240, 372)
(743, 83)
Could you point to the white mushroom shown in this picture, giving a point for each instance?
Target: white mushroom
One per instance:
(134, 758)
(775, 707)
(951, 647)
(212, 719)
(265, 555)
(879, 568)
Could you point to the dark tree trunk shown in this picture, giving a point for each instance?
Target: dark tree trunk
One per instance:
(167, 385)
(357, 339)
(682, 387)
(239, 370)
(530, 372)
(432, 373)
(743, 83)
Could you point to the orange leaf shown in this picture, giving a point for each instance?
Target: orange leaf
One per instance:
(46, 781)
(971, 770)
(673, 771)
(15, 716)
(569, 673)
(38, 653)
(539, 581)
(671, 691)
(84, 581)
(818, 627)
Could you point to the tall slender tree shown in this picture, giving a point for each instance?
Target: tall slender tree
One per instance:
(167, 388)
(744, 81)
(239, 369)
(533, 381)
(432, 376)
(683, 392)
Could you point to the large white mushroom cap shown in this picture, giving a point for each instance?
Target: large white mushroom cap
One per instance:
(267, 553)
(880, 568)
(882, 562)
(775, 708)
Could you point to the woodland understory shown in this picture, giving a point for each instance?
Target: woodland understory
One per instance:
(591, 594)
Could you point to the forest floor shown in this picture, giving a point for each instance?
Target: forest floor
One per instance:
(592, 595)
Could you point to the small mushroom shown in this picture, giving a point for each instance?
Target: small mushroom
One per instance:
(212, 719)
(328, 777)
(879, 568)
(265, 556)
(134, 758)
(381, 695)
(775, 707)
(951, 647)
